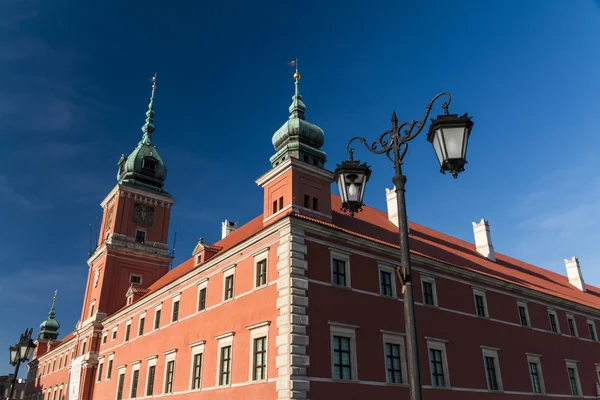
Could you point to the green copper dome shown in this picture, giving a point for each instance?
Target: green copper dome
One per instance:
(49, 328)
(298, 138)
(144, 167)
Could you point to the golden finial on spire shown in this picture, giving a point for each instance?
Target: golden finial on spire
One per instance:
(154, 81)
(295, 64)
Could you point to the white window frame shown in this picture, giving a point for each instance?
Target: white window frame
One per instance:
(151, 363)
(493, 353)
(99, 373)
(121, 371)
(429, 279)
(113, 334)
(535, 358)
(256, 331)
(104, 335)
(438, 344)
(131, 275)
(170, 355)
(229, 271)
(349, 331)
(135, 366)
(523, 304)
(391, 270)
(552, 312)
(479, 292)
(597, 374)
(591, 322)
(93, 310)
(196, 348)
(125, 338)
(203, 284)
(158, 307)
(395, 338)
(225, 340)
(110, 358)
(341, 256)
(263, 255)
(140, 317)
(573, 364)
(174, 299)
(572, 317)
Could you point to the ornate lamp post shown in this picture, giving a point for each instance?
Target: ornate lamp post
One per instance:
(449, 135)
(19, 353)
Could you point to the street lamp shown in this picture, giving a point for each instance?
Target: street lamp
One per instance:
(449, 135)
(19, 353)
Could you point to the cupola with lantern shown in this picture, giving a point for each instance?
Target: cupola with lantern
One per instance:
(49, 328)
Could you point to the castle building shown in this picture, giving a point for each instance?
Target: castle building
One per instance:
(302, 302)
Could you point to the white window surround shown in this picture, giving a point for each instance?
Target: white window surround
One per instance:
(196, 348)
(342, 256)
(552, 312)
(535, 358)
(597, 374)
(593, 325)
(260, 256)
(137, 276)
(229, 271)
(174, 299)
(256, 331)
(225, 340)
(113, 335)
(99, 374)
(395, 338)
(151, 361)
(93, 308)
(135, 366)
(104, 335)
(170, 355)
(127, 326)
(203, 284)
(438, 344)
(121, 371)
(523, 304)
(111, 357)
(493, 353)
(479, 292)
(429, 279)
(573, 364)
(392, 272)
(156, 309)
(572, 317)
(349, 331)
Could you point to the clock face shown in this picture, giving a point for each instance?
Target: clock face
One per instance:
(143, 214)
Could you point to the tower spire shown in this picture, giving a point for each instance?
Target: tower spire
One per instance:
(297, 108)
(148, 127)
(49, 328)
(52, 312)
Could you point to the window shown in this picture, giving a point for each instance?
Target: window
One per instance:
(120, 386)
(274, 206)
(92, 309)
(523, 313)
(135, 279)
(573, 378)
(140, 236)
(395, 358)
(175, 314)
(228, 284)
(54, 361)
(199, 259)
(60, 394)
(592, 329)
(197, 355)
(480, 303)
(387, 280)
(259, 359)
(315, 204)
(225, 358)
(109, 369)
(438, 362)
(100, 366)
(82, 352)
(429, 292)
(134, 383)
(104, 337)
(343, 351)
(340, 268)
(169, 376)
(114, 333)
(281, 203)
(492, 368)
(157, 318)
(127, 331)
(261, 273)
(141, 325)
(306, 201)
(150, 379)
(149, 164)
(572, 325)
(554, 327)
(60, 362)
(202, 299)
(535, 371)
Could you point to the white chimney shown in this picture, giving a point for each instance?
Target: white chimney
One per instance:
(574, 273)
(483, 239)
(227, 227)
(392, 205)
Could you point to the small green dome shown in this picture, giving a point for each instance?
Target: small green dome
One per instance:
(49, 328)
(49, 325)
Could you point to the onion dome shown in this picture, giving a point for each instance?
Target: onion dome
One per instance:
(144, 167)
(49, 328)
(298, 138)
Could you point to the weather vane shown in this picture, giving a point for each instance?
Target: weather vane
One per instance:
(154, 81)
(295, 64)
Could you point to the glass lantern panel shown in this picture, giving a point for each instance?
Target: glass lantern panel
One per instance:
(453, 137)
(22, 350)
(342, 188)
(13, 354)
(436, 146)
(354, 186)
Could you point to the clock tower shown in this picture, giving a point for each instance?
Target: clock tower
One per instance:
(132, 246)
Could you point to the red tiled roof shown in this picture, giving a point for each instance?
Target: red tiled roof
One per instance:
(141, 290)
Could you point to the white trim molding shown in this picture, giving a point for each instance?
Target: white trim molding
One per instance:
(481, 293)
(348, 332)
(389, 269)
(335, 254)
(524, 305)
(592, 330)
(431, 280)
(535, 359)
(555, 315)
(493, 354)
(227, 272)
(225, 340)
(571, 318)
(438, 344)
(398, 339)
(258, 331)
(572, 364)
(196, 348)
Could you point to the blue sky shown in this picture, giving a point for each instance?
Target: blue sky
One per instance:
(76, 81)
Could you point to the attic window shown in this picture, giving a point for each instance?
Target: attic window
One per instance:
(149, 163)
(198, 259)
(135, 279)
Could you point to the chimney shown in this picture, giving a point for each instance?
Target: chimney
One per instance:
(392, 205)
(483, 239)
(574, 273)
(227, 227)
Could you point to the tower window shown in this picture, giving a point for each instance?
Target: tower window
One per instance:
(306, 201)
(281, 203)
(274, 206)
(315, 204)
(135, 279)
(149, 164)
(140, 236)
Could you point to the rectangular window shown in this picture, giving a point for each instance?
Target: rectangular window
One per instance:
(342, 367)
(490, 372)
(140, 236)
(150, 386)
(428, 293)
(120, 386)
(82, 351)
(393, 363)
(480, 305)
(535, 377)
(134, 383)
(523, 318)
(202, 299)
(385, 280)
(261, 273)
(592, 329)
(135, 279)
(100, 366)
(92, 310)
(109, 369)
(229, 287)
(169, 376)
(104, 337)
(196, 371)
(281, 203)
(339, 272)
(553, 322)
(437, 367)
(274, 206)
(571, 323)
(54, 361)
(315, 204)
(60, 394)
(175, 316)
(306, 201)
(573, 381)
(127, 332)
(157, 319)
(225, 366)
(114, 334)
(141, 327)
(259, 359)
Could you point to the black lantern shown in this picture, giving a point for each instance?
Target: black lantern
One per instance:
(351, 177)
(449, 135)
(26, 348)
